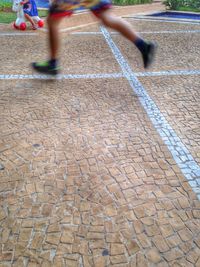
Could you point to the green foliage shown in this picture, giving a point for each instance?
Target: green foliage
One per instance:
(192, 3)
(130, 2)
(8, 17)
(5, 5)
(177, 4)
(189, 9)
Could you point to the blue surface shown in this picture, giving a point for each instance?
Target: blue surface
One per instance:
(45, 4)
(39, 3)
(42, 3)
(178, 15)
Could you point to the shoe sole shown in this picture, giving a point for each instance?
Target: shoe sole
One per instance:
(40, 70)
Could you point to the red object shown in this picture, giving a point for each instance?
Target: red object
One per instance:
(22, 26)
(61, 14)
(15, 26)
(41, 23)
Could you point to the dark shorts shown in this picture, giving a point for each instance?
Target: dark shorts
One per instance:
(62, 8)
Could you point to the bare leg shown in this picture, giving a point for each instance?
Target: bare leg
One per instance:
(29, 19)
(53, 36)
(50, 66)
(147, 49)
(118, 24)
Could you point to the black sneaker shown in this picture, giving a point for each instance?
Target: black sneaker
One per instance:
(149, 54)
(45, 67)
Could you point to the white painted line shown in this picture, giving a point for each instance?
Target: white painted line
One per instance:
(89, 33)
(78, 27)
(74, 28)
(97, 76)
(181, 155)
(162, 20)
(146, 32)
(171, 32)
(60, 76)
(168, 73)
(2, 34)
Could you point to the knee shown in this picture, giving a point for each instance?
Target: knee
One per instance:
(109, 21)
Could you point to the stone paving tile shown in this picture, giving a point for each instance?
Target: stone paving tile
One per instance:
(79, 53)
(19, 52)
(171, 51)
(157, 26)
(83, 50)
(87, 180)
(78, 56)
(144, 27)
(177, 98)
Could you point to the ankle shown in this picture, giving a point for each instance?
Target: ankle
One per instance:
(140, 44)
(53, 62)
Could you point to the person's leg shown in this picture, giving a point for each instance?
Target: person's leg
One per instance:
(57, 11)
(53, 26)
(146, 48)
(29, 18)
(118, 24)
(50, 66)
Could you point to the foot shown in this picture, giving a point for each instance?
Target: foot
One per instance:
(149, 54)
(34, 27)
(45, 67)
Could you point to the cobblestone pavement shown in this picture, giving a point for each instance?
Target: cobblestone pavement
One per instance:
(85, 178)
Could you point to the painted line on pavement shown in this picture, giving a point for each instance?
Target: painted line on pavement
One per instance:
(146, 32)
(2, 34)
(78, 27)
(181, 155)
(73, 28)
(168, 73)
(162, 20)
(60, 76)
(97, 76)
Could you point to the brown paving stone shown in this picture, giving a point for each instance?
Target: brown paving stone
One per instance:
(132, 247)
(186, 127)
(118, 259)
(100, 178)
(160, 243)
(53, 238)
(198, 262)
(117, 249)
(153, 255)
(173, 254)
